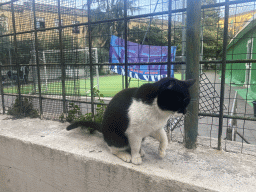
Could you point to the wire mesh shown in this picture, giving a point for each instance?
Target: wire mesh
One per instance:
(58, 52)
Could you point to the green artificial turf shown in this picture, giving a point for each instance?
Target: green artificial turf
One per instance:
(108, 86)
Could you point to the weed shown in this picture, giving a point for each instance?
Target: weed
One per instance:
(23, 108)
(75, 114)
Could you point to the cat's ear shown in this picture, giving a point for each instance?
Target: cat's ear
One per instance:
(190, 82)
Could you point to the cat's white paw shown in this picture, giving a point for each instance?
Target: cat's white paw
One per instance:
(136, 159)
(142, 153)
(161, 153)
(124, 156)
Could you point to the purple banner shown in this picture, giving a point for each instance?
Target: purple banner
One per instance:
(137, 53)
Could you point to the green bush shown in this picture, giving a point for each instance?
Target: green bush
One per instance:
(23, 108)
(74, 113)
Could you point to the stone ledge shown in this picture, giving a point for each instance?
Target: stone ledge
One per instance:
(40, 155)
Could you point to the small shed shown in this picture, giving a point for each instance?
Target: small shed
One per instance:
(243, 47)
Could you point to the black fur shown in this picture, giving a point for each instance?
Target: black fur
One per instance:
(94, 125)
(171, 94)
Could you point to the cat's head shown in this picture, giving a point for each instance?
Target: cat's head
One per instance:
(174, 94)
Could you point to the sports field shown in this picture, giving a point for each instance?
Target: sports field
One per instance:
(108, 86)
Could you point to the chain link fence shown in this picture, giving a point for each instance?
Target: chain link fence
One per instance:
(56, 53)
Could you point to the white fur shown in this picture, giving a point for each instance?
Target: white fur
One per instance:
(123, 154)
(144, 120)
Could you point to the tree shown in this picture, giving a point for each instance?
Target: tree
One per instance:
(109, 9)
(157, 36)
(212, 33)
(154, 35)
(101, 33)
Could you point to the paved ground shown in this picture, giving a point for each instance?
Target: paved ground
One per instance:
(208, 125)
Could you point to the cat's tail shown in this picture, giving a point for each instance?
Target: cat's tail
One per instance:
(93, 125)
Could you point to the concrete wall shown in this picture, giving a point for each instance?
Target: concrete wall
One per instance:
(39, 155)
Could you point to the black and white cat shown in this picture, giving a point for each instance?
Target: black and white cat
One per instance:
(136, 113)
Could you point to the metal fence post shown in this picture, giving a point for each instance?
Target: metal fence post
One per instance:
(1, 88)
(125, 45)
(169, 39)
(183, 43)
(192, 70)
(169, 55)
(223, 71)
(63, 73)
(37, 60)
(15, 54)
(90, 55)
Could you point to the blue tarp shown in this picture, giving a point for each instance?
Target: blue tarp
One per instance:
(140, 54)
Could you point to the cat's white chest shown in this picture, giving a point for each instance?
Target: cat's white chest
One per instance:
(145, 119)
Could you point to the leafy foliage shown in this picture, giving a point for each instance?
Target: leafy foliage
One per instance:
(109, 9)
(75, 114)
(212, 33)
(23, 108)
(155, 35)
